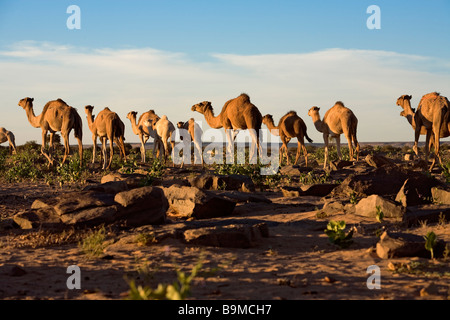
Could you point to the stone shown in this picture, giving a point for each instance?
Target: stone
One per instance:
(397, 245)
(367, 207)
(223, 182)
(430, 213)
(112, 187)
(191, 202)
(37, 218)
(409, 157)
(440, 195)
(332, 206)
(377, 161)
(231, 236)
(238, 196)
(142, 206)
(340, 164)
(75, 201)
(17, 271)
(133, 180)
(91, 216)
(317, 190)
(416, 190)
(294, 170)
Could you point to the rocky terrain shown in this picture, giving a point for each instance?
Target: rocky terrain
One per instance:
(239, 239)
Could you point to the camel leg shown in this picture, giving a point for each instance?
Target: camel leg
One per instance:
(338, 146)
(436, 128)
(285, 147)
(44, 141)
(66, 146)
(350, 147)
(254, 148)
(94, 148)
(356, 143)
(230, 143)
(111, 151)
(325, 140)
(198, 152)
(141, 137)
(104, 152)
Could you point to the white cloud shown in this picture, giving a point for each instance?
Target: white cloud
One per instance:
(369, 82)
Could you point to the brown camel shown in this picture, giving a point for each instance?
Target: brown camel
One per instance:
(195, 133)
(56, 116)
(145, 132)
(433, 115)
(107, 126)
(337, 120)
(290, 126)
(6, 135)
(237, 114)
(405, 102)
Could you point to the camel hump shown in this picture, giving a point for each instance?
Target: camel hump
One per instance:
(340, 103)
(164, 117)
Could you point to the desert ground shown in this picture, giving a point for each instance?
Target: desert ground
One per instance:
(288, 257)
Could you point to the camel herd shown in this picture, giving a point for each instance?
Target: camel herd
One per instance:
(431, 117)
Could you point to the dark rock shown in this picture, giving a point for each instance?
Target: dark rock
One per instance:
(397, 245)
(37, 218)
(377, 161)
(430, 213)
(231, 236)
(112, 187)
(340, 164)
(17, 271)
(142, 206)
(318, 190)
(133, 180)
(75, 201)
(223, 182)
(295, 170)
(416, 190)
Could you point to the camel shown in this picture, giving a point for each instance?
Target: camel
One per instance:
(432, 116)
(6, 135)
(405, 102)
(164, 129)
(337, 120)
(107, 126)
(237, 114)
(145, 132)
(195, 133)
(56, 116)
(290, 126)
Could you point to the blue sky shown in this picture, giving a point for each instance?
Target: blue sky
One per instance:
(169, 55)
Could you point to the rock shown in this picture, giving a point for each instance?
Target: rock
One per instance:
(409, 157)
(112, 187)
(430, 213)
(332, 206)
(318, 190)
(440, 195)
(385, 181)
(430, 289)
(377, 161)
(132, 180)
(223, 182)
(91, 216)
(17, 271)
(397, 245)
(238, 196)
(142, 206)
(231, 236)
(367, 207)
(416, 190)
(37, 218)
(191, 202)
(76, 201)
(340, 164)
(294, 170)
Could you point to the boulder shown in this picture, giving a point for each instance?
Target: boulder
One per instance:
(294, 170)
(340, 164)
(142, 206)
(332, 206)
(397, 245)
(112, 187)
(440, 195)
(77, 201)
(416, 190)
(223, 182)
(318, 190)
(409, 157)
(37, 218)
(430, 213)
(191, 202)
(133, 180)
(231, 236)
(367, 207)
(377, 161)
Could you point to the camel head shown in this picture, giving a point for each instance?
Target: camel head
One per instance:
(26, 102)
(88, 109)
(402, 99)
(180, 124)
(202, 107)
(267, 119)
(131, 115)
(313, 111)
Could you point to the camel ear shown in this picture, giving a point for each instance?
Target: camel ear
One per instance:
(409, 97)
(32, 99)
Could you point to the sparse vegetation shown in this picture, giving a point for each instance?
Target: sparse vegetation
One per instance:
(336, 233)
(94, 243)
(430, 242)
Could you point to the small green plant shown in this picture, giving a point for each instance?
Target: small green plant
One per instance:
(321, 215)
(336, 233)
(146, 239)
(180, 289)
(379, 215)
(94, 243)
(430, 242)
(353, 198)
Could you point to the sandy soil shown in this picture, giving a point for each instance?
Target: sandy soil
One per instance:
(295, 262)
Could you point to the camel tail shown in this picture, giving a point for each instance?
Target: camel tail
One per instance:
(308, 138)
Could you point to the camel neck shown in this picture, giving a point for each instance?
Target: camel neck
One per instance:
(34, 121)
(272, 128)
(213, 122)
(317, 122)
(134, 126)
